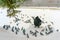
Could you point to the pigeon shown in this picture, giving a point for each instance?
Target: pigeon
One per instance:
(36, 31)
(13, 29)
(47, 33)
(24, 31)
(27, 36)
(16, 19)
(57, 30)
(17, 24)
(6, 27)
(17, 30)
(31, 32)
(35, 34)
(37, 22)
(41, 33)
(27, 21)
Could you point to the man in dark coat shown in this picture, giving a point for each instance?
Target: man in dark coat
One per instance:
(37, 22)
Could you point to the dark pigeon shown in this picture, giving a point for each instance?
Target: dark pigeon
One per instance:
(37, 22)
(57, 30)
(32, 17)
(22, 28)
(27, 36)
(24, 31)
(31, 32)
(17, 30)
(12, 29)
(17, 24)
(50, 30)
(41, 33)
(36, 31)
(6, 27)
(47, 33)
(16, 19)
(35, 34)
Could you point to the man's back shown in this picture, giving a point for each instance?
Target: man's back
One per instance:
(37, 21)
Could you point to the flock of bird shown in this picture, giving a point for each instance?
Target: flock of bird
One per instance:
(37, 23)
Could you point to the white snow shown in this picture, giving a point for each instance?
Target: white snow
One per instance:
(48, 15)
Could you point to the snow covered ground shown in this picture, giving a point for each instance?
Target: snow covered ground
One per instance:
(8, 35)
(46, 14)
